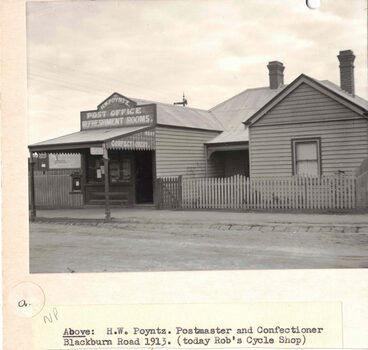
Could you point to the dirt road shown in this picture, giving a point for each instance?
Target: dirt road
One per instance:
(97, 247)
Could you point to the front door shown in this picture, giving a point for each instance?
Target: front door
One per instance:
(144, 177)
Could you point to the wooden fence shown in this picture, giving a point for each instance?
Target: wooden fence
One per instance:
(362, 190)
(169, 192)
(239, 192)
(53, 190)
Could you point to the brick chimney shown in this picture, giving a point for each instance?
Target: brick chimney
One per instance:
(346, 59)
(276, 73)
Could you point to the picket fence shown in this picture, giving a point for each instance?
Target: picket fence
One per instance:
(169, 192)
(294, 192)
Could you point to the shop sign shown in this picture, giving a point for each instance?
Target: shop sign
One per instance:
(144, 140)
(96, 150)
(64, 161)
(39, 155)
(40, 161)
(117, 118)
(129, 144)
(115, 100)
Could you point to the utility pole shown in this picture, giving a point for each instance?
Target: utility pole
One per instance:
(107, 187)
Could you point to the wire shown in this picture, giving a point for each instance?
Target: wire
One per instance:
(44, 67)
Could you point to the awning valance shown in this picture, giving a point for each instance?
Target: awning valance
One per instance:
(141, 137)
(142, 140)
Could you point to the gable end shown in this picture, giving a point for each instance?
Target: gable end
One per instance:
(308, 86)
(305, 104)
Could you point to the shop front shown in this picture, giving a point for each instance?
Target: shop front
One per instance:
(130, 178)
(120, 152)
(116, 148)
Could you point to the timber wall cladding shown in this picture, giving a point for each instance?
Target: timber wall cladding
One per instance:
(308, 113)
(53, 190)
(182, 152)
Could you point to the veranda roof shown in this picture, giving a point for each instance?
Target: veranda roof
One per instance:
(84, 139)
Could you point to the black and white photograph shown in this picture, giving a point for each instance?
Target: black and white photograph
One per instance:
(197, 135)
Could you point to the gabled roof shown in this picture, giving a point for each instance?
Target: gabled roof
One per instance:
(187, 117)
(337, 89)
(170, 115)
(355, 103)
(251, 104)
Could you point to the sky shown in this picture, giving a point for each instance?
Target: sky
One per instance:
(80, 52)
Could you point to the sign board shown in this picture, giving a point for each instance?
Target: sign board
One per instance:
(64, 161)
(116, 101)
(144, 140)
(96, 150)
(40, 161)
(39, 155)
(116, 112)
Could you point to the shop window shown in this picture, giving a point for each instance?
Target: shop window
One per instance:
(120, 171)
(306, 157)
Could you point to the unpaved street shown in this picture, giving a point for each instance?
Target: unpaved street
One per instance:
(98, 247)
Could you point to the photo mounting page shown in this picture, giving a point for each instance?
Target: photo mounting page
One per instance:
(185, 174)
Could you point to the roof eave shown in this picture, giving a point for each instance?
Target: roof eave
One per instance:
(64, 146)
(227, 143)
(189, 127)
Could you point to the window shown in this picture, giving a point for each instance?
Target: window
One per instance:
(306, 157)
(120, 170)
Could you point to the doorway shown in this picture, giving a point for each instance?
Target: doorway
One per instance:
(144, 177)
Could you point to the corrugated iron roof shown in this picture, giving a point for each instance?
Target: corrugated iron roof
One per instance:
(88, 136)
(234, 111)
(227, 116)
(238, 109)
(354, 99)
(230, 136)
(188, 117)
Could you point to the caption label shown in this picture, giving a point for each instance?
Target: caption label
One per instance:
(275, 325)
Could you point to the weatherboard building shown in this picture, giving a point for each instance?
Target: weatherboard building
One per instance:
(308, 127)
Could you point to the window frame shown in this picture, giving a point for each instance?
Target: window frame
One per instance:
(296, 141)
(120, 159)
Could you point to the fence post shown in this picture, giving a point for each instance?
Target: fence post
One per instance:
(179, 191)
(158, 193)
(362, 190)
(32, 189)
